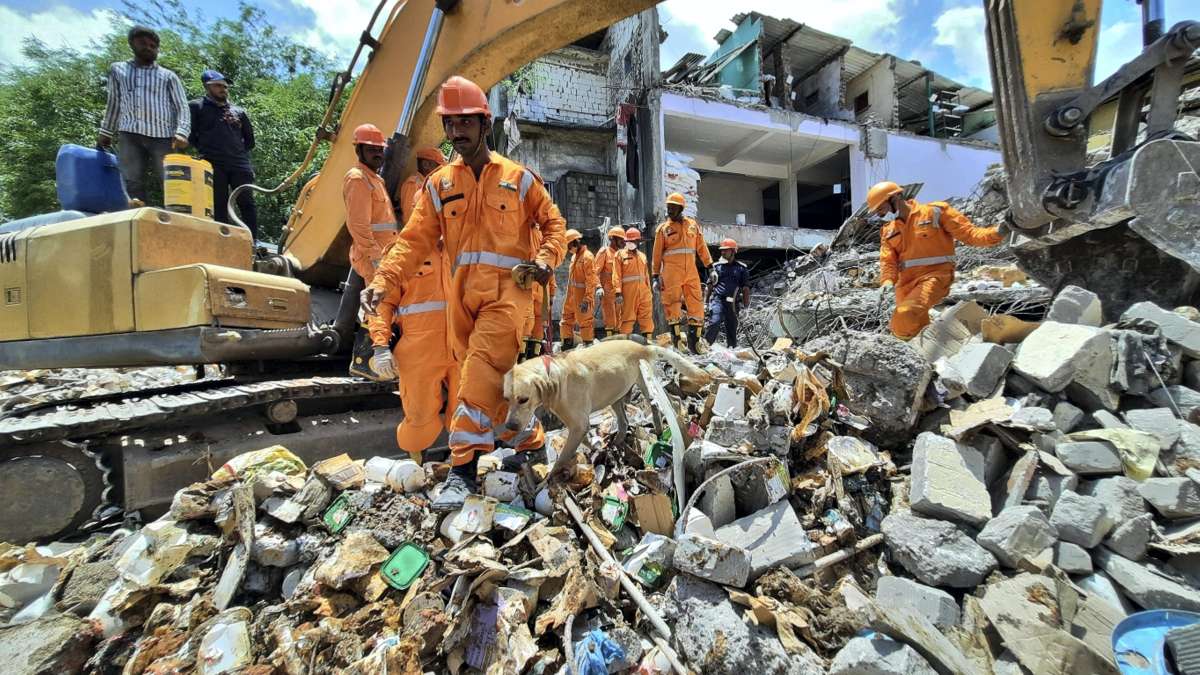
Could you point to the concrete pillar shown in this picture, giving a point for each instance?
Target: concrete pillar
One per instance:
(789, 215)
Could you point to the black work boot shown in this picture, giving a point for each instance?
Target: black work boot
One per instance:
(601, 332)
(457, 487)
(696, 342)
(567, 345)
(527, 354)
(515, 461)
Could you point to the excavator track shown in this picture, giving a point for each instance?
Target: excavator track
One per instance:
(57, 470)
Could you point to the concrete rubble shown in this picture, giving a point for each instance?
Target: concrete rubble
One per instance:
(992, 496)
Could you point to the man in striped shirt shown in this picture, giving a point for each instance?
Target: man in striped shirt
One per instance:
(147, 112)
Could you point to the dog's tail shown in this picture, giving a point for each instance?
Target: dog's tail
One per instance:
(688, 372)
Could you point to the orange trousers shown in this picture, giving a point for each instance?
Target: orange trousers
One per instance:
(637, 306)
(914, 298)
(421, 397)
(608, 310)
(680, 292)
(573, 316)
(486, 308)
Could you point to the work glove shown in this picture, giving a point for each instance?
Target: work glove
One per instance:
(369, 300)
(543, 272)
(382, 363)
(656, 283)
(599, 294)
(619, 299)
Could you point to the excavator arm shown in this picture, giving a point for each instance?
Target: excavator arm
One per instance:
(1123, 227)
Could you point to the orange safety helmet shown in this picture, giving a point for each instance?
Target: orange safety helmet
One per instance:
(676, 199)
(881, 192)
(616, 232)
(369, 134)
(633, 234)
(432, 155)
(572, 235)
(728, 243)
(460, 96)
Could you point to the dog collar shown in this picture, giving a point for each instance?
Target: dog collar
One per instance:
(546, 361)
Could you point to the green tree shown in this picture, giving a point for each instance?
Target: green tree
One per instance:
(59, 98)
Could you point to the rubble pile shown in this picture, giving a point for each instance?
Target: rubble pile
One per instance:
(995, 495)
(37, 387)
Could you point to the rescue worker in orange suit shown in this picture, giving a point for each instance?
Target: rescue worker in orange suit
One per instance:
(916, 252)
(485, 207)
(609, 318)
(533, 329)
(369, 215)
(417, 308)
(582, 285)
(428, 159)
(676, 243)
(630, 279)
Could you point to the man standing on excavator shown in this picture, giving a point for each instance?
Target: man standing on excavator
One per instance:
(916, 252)
(485, 207)
(677, 242)
(369, 215)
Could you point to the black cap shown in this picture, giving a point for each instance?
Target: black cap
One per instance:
(140, 30)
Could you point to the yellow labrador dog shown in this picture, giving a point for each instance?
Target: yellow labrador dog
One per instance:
(574, 385)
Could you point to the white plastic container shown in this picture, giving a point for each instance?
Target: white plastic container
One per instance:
(401, 475)
(501, 485)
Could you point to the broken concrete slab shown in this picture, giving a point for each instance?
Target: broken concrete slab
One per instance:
(1174, 498)
(1185, 454)
(55, 644)
(906, 625)
(1033, 418)
(1158, 421)
(1100, 585)
(1072, 558)
(879, 656)
(1048, 486)
(1016, 533)
(718, 502)
(1067, 416)
(1090, 458)
(1025, 611)
(87, 585)
(936, 605)
(884, 378)
(948, 480)
(1107, 420)
(1148, 585)
(713, 560)
(981, 366)
(1131, 537)
(1055, 354)
(1176, 394)
(727, 432)
(936, 551)
(1176, 328)
(995, 456)
(1016, 483)
(1076, 305)
(1081, 520)
(774, 537)
(709, 630)
(1119, 493)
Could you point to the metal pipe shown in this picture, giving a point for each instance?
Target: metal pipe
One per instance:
(1153, 20)
(417, 83)
(660, 626)
(838, 556)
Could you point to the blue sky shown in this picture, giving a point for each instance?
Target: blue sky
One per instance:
(946, 35)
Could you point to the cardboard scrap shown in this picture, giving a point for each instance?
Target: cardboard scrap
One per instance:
(654, 513)
(341, 472)
(978, 414)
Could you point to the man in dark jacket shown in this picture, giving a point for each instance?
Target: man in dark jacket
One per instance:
(222, 133)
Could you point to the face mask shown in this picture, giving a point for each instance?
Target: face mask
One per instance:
(631, 246)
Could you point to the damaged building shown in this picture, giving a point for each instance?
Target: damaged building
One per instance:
(774, 137)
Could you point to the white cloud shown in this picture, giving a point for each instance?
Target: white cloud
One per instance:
(962, 30)
(691, 24)
(338, 25)
(1119, 43)
(56, 27)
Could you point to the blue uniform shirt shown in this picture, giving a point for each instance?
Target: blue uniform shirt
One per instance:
(729, 279)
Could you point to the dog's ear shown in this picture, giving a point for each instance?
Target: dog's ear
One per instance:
(547, 387)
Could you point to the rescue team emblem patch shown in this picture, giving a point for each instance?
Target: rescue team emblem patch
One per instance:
(447, 183)
(508, 186)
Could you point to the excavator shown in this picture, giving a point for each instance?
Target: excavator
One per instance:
(147, 287)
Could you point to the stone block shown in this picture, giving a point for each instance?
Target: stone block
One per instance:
(272, 549)
(1034, 418)
(1090, 458)
(726, 432)
(1158, 421)
(1130, 538)
(1185, 454)
(1100, 585)
(1076, 305)
(879, 656)
(712, 560)
(1150, 586)
(1067, 417)
(1048, 486)
(982, 366)
(731, 402)
(1176, 328)
(1191, 375)
(1016, 533)
(1054, 354)
(1119, 494)
(774, 537)
(947, 480)
(1187, 399)
(936, 552)
(1012, 491)
(1081, 520)
(1072, 558)
(1108, 420)
(1172, 497)
(995, 456)
(938, 606)
(717, 501)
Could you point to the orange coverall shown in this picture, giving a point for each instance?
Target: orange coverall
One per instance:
(369, 218)
(608, 304)
(581, 288)
(630, 275)
(534, 326)
(487, 225)
(917, 254)
(675, 245)
(422, 354)
(408, 196)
